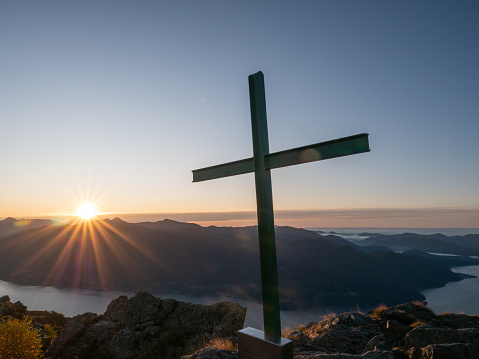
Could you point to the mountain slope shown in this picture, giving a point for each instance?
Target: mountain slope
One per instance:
(169, 255)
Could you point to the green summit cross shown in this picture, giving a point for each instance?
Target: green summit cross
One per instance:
(261, 163)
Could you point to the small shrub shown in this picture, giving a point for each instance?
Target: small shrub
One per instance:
(50, 332)
(18, 340)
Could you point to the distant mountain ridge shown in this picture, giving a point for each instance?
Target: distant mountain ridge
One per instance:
(175, 256)
(12, 225)
(433, 243)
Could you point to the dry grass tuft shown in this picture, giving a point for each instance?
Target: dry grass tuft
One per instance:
(417, 323)
(376, 312)
(222, 343)
(285, 331)
(418, 303)
(358, 310)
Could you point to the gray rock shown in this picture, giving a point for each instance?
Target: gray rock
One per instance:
(212, 353)
(445, 351)
(346, 333)
(378, 354)
(395, 332)
(468, 335)
(424, 335)
(146, 327)
(16, 310)
(296, 335)
(459, 321)
(376, 343)
(353, 335)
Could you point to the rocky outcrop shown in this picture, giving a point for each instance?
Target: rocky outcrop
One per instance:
(146, 327)
(15, 310)
(406, 331)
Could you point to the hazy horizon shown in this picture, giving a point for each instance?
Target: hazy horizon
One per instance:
(362, 218)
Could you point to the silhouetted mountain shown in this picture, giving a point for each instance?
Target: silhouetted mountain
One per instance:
(468, 240)
(168, 255)
(450, 261)
(11, 225)
(435, 243)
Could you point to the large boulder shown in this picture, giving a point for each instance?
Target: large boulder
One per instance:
(425, 335)
(446, 351)
(146, 327)
(346, 333)
(14, 310)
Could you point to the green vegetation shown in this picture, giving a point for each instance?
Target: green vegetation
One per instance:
(18, 340)
(50, 332)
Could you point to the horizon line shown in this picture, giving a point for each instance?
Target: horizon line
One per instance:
(442, 217)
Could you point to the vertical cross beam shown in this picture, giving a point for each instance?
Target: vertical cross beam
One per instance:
(261, 164)
(264, 202)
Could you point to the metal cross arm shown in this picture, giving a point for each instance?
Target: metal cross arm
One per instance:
(320, 151)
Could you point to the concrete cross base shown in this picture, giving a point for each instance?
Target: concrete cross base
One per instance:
(256, 344)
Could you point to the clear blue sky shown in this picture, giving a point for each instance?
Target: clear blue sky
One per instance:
(117, 101)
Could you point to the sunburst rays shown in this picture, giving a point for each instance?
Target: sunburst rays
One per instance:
(95, 254)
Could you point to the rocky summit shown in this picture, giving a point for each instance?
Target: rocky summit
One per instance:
(406, 331)
(145, 326)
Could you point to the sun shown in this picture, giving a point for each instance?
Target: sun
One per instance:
(87, 211)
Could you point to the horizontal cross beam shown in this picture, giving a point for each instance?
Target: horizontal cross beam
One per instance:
(320, 151)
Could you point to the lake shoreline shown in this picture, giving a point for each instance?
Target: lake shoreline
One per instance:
(286, 304)
(71, 302)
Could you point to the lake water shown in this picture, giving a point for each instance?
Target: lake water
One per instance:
(72, 302)
(455, 297)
